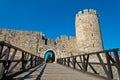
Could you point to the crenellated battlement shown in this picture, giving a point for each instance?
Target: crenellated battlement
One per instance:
(87, 27)
(63, 37)
(86, 12)
(72, 38)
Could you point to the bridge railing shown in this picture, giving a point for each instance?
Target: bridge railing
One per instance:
(107, 59)
(14, 61)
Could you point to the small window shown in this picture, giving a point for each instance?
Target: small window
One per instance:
(45, 41)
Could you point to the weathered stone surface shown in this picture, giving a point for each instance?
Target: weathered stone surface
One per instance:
(55, 71)
(88, 35)
(59, 72)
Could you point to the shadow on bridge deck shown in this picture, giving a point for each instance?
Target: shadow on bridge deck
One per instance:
(32, 74)
(53, 71)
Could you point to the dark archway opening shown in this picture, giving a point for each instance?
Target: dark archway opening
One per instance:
(49, 57)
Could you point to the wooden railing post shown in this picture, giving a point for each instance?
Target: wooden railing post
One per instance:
(117, 62)
(31, 60)
(110, 74)
(5, 63)
(68, 61)
(1, 64)
(1, 49)
(35, 60)
(23, 61)
(62, 61)
(83, 63)
(74, 62)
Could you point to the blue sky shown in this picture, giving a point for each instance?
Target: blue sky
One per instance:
(57, 17)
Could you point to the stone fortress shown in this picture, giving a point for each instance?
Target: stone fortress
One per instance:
(88, 38)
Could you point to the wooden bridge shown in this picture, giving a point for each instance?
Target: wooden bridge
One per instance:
(17, 64)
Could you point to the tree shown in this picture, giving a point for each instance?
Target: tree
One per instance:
(49, 59)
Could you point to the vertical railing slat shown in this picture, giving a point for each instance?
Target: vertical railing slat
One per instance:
(84, 61)
(7, 57)
(110, 74)
(117, 62)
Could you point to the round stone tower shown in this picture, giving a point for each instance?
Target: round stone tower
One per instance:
(88, 34)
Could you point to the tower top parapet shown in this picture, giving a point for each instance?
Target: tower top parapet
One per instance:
(87, 11)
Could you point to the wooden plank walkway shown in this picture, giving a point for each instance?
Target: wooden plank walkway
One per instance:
(59, 72)
(32, 74)
(55, 71)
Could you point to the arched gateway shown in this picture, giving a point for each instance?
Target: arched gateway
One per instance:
(49, 54)
(53, 53)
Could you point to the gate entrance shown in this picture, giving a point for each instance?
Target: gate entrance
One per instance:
(49, 57)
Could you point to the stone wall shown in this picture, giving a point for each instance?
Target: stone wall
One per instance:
(36, 43)
(26, 40)
(88, 34)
